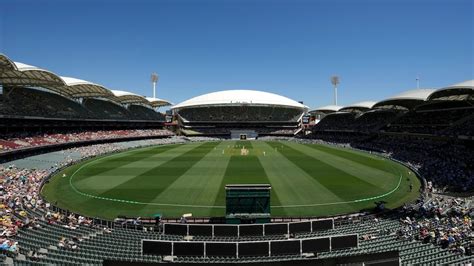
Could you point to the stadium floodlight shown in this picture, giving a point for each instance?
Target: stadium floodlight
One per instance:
(335, 81)
(154, 80)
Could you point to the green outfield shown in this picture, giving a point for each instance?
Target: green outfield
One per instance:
(306, 180)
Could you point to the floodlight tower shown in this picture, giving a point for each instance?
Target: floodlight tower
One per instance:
(335, 81)
(154, 80)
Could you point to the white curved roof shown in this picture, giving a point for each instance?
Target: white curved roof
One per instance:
(82, 88)
(364, 105)
(19, 74)
(156, 102)
(459, 91)
(240, 97)
(416, 94)
(464, 84)
(333, 108)
(406, 99)
(6, 63)
(129, 97)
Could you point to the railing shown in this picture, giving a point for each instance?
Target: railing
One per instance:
(250, 248)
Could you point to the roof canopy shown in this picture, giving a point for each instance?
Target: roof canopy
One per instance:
(126, 97)
(80, 88)
(407, 99)
(155, 102)
(458, 92)
(6, 64)
(361, 106)
(238, 97)
(327, 109)
(19, 74)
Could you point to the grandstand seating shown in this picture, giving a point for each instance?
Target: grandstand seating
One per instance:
(428, 121)
(34, 102)
(337, 121)
(106, 110)
(226, 130)
(62, 242)
(96, 244)
(42, 103)
(240, 113)
(139, 112)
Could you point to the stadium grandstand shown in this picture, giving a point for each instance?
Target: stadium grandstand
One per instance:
(235, 113)
(38, 107)
(52, 126)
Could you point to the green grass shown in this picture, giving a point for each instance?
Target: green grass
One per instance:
(306, 180)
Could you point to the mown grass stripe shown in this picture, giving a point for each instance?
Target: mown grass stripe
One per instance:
(356, 156)
(86, 181)
(244, 169)
(335, 180)
(200, 183)
(292, 184)
(382, 179)
(148, 185)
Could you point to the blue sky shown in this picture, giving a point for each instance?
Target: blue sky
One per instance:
(286, 47)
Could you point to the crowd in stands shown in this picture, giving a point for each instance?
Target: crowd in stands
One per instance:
(443, 221)
(448, 121)
(46, 104)
(241, 113)
(227, 130)
(448, 164)
(25, 140)
(104, 109)
(20, 199)
(429, 121)
(373, 120)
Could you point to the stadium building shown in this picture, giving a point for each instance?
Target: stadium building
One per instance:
(237, 113)
(89, 176)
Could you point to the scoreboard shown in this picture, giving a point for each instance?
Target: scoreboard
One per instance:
(247, 203)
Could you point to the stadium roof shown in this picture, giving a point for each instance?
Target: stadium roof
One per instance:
(81, 88)
(250, 97)
(155, 102)
(359, 106)
(6, 64)
(19, 74)
(327, 108)
(459, 91)
(129, 98)
(406, 99)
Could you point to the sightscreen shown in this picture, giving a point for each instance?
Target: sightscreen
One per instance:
(315, 245)
(287, 247)
(253, 249)
(340, 242)
(156, 248)
(247, 200)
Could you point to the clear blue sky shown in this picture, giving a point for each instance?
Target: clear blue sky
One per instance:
(377, 47)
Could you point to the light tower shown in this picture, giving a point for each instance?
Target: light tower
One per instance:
(335, 81)
(154, 80)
